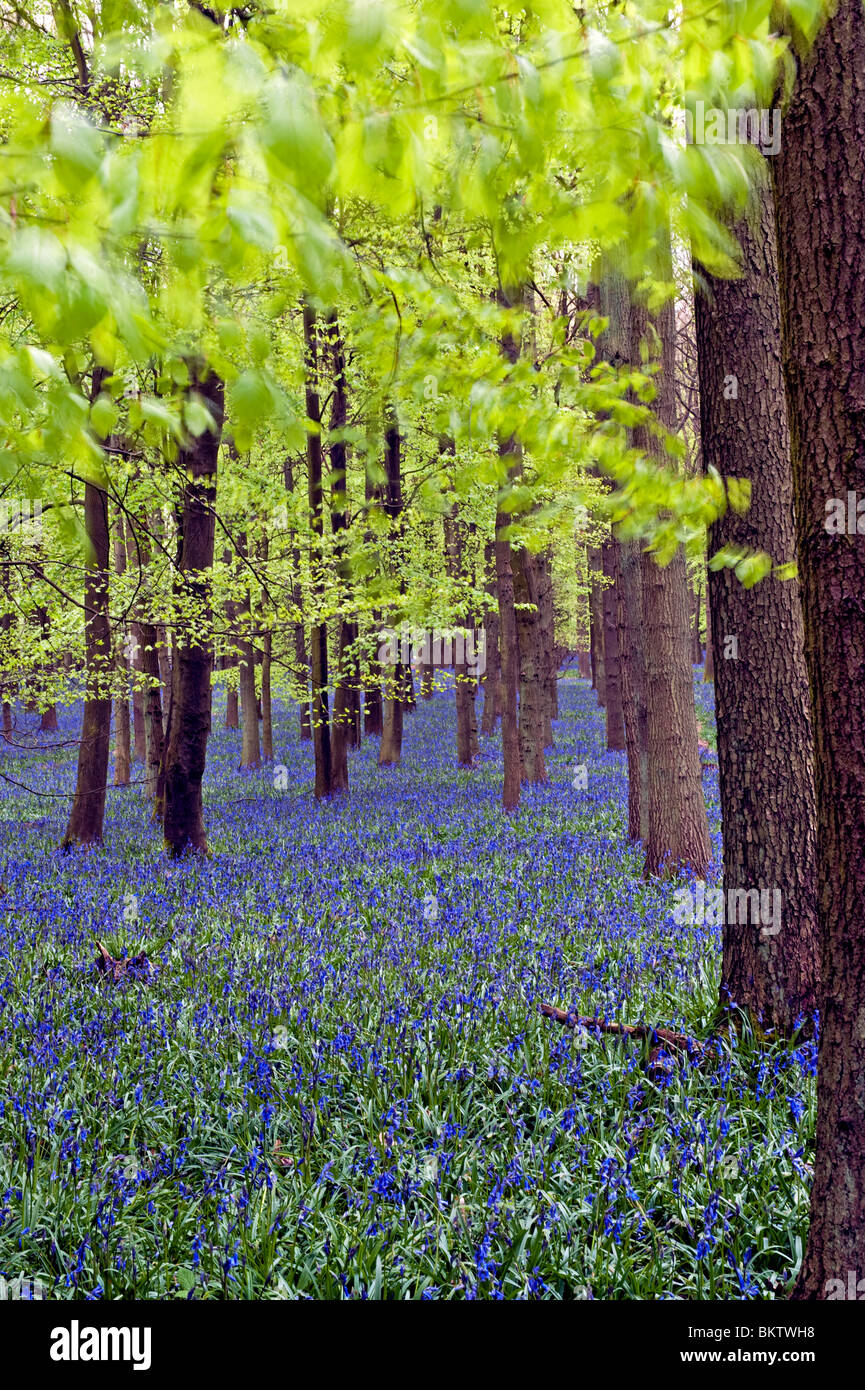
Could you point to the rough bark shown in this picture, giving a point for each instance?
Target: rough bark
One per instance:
(88, 807)
(189, 721)
(820, 215)
(765, 747)
(678, 836)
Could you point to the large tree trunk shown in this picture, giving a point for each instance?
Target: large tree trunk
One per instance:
(88, 807)
(320, 716)
(189, 721)
(820, 213)
(678, 825)
(765, 750)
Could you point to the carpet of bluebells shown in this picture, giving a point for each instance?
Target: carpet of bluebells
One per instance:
(336, 1082)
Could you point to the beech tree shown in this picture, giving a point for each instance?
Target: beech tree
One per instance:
(765, 746)
(820, 216)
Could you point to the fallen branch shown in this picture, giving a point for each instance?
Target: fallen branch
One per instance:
(135, 966)
(662, 1037)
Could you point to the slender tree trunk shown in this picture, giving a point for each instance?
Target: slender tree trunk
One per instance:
(547, 636)
(318, 627)
(612, 672)
(493, 673)
(390, 749)
(122, 747)
(189, 722)
(266, 659)
(633, 677)
(454, 534)
(765, 748)
(138, 734)
(596, 611)
(373, 712)
(820, 213)
(250, 744)
(229, 658)
(678, 825)
(138, 550)
(88, 807)
(301, 659)
(342, 700)
(510, 662)
(531, 720)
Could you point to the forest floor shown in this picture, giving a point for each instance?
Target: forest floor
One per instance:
(332, 1075)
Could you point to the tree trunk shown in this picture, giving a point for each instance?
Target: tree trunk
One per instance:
(122, 747)
(342, 700)
(532, 702)
(467, 733)
(709, 664)
(820, 214)
(678, 825)
(189, 721)
(596, 612)
(250, 743)
(493, 674)
(547, 636)
(301, 659)
(138, 735)
(510, 663)
(612, 672)
(138, 550)
(633, 681)
(266, 702)
(88, 807)
(765, 750)
(390, 749)
(320, 716)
